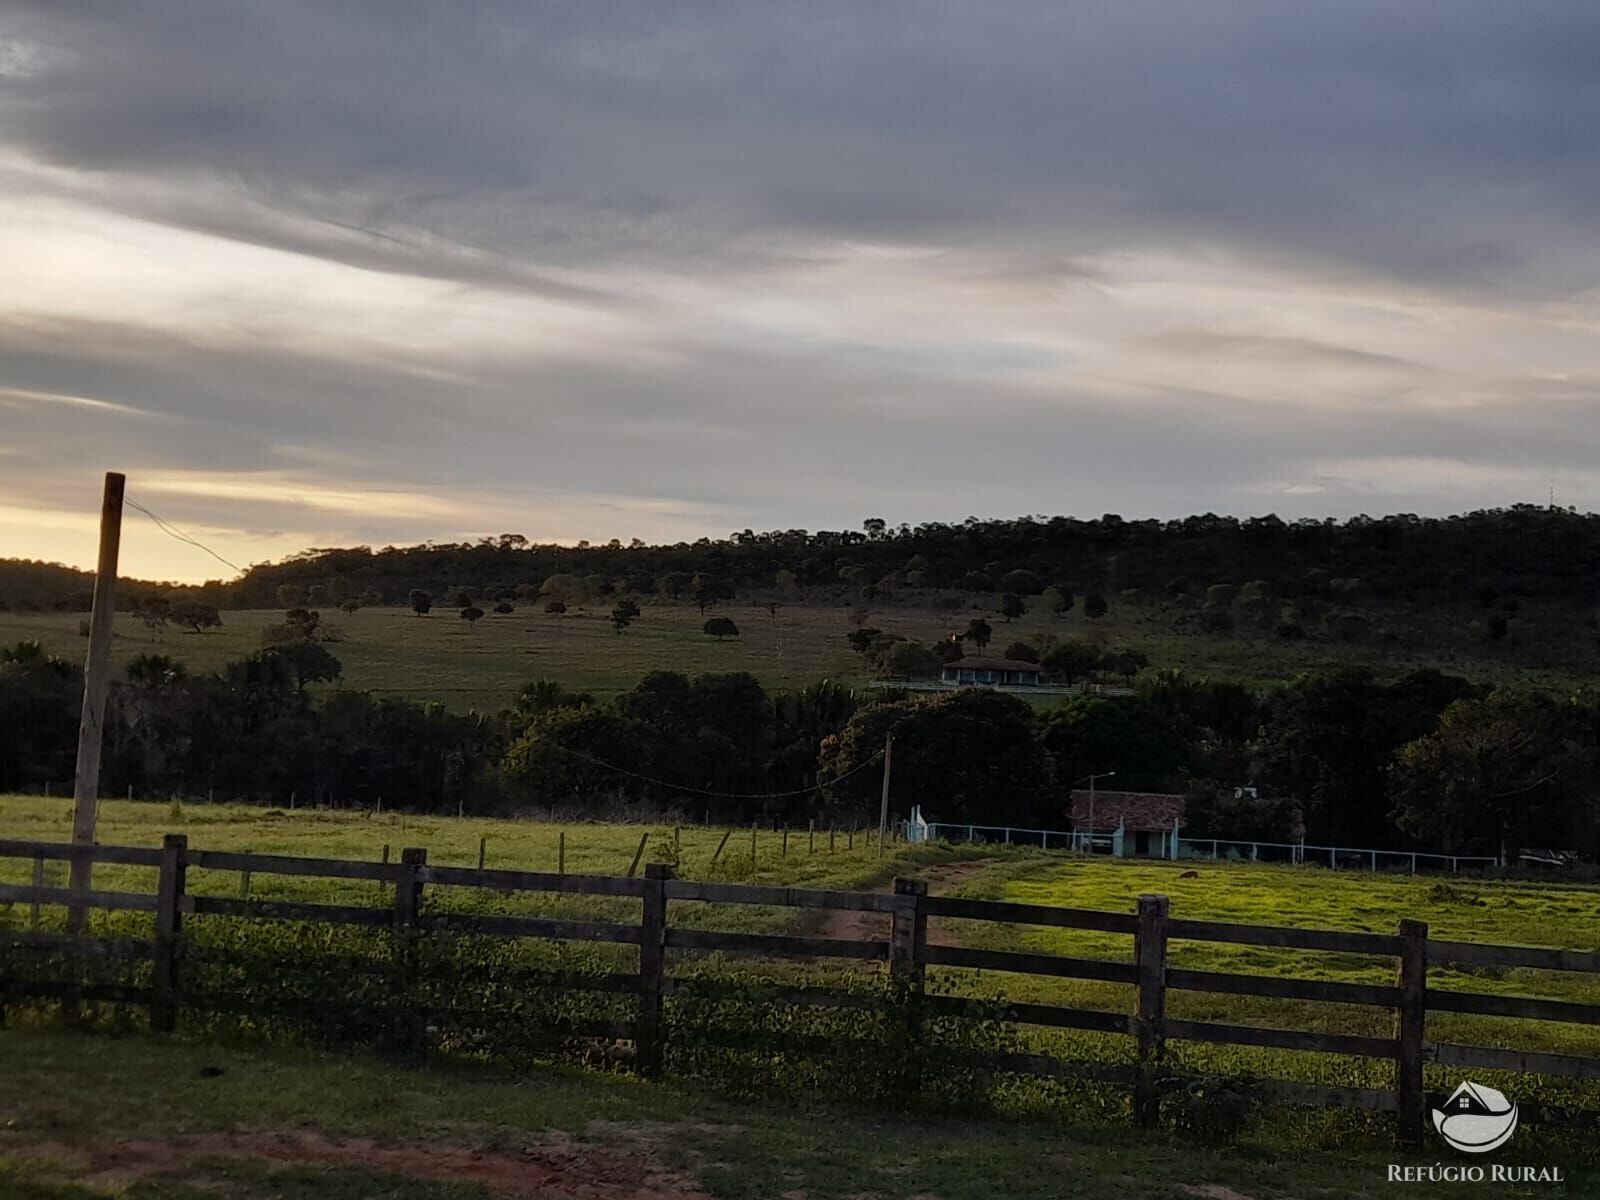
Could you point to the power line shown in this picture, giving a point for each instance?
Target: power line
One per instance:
(600, 762)
(172, 531)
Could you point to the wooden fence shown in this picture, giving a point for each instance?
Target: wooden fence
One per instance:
(907, 952)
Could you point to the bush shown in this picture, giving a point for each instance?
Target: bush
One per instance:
(1213, 1109)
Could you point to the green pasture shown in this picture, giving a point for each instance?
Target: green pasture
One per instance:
(391, 651)
(1456, 907)
(193, 1119)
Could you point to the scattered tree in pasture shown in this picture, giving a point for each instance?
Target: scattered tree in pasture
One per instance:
(1011, 606)
(978, 632)
(708, 589)
(421, 602)
(471, 614)
(555, 607)
(624, 615)
(1072, 661)
(350, 607)
(196, 616)
(912, 660)
(1094, 606)
(675, 583)
(721, 627)
(1125, 661)
(463, 599)
(291, 595)
(1057, 600)
(299, 625)
(309, 662)
(505, 608)
(154, 612)
(1022, 652)
(861, 639)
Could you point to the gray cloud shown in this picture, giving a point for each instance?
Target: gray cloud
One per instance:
(1441, 144)
(826, 259)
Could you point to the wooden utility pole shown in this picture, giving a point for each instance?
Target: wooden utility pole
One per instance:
(96, 681)
(883, 810)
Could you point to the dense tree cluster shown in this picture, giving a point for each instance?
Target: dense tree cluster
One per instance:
(1427, 761)
(1483, 558)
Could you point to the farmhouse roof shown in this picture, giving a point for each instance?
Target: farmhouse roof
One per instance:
(1131, 810)
(992, 664)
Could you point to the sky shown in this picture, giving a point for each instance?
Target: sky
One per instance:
(378, 273)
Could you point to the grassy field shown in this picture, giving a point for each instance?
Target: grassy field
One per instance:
(1505, 911)
(140, 1118)
(440, 657)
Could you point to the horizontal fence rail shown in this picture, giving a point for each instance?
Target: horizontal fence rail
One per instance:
(902, 944)
(1105, 840)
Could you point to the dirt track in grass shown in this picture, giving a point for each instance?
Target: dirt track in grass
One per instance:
(862, 926)
(550, 1166)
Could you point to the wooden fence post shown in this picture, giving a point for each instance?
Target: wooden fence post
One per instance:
(483, 846)
(561, 853)
(38, 882)
(1410, 1026)
(406, 1022)
(908, 934)
(1150, 953)
(633, 867)
(652, 964)
(169, 926)
(717, 853)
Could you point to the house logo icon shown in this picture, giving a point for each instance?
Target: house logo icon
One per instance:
(1476, 1119)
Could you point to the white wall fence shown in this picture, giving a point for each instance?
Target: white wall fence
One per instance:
(1119, 843)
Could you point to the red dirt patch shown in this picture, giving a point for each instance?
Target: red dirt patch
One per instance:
(859, 926)
(553, 1167)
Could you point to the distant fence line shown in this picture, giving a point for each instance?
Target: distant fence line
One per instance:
(906, 952)
(1228, 849)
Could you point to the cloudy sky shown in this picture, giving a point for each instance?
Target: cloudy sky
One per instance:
(324, 273)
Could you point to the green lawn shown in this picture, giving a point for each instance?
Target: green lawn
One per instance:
(84, 1116)
(1503, 911)
(391, 651)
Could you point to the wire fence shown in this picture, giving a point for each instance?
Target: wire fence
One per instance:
(1124, 843)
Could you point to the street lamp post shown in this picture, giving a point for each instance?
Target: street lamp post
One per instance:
(1091, 778)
